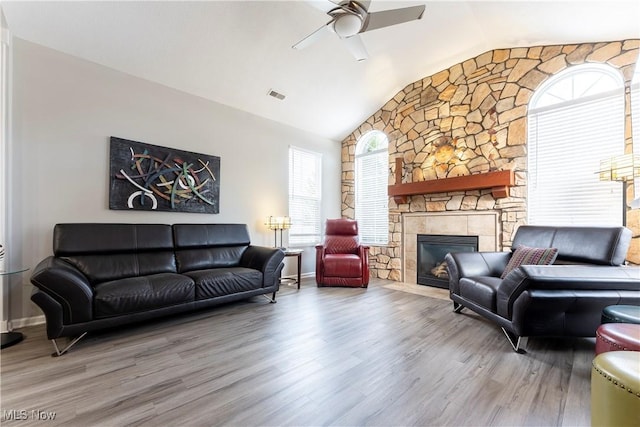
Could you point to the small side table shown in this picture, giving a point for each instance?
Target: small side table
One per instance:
(10, 338)
(298, 254)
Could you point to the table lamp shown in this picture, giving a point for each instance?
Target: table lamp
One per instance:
(276, 223)
(623, 168)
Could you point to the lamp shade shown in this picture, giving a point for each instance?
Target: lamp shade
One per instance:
(278, 222)
(620, 168)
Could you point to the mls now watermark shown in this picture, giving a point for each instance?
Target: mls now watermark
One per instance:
(24, 415)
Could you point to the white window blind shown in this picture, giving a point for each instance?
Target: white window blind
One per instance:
(635, 123)
(566, 143)
(305, 178)
(372, 200)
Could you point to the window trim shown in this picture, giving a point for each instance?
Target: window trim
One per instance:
(382, 238)
(567, 74)
(537, 117)
(296, 238)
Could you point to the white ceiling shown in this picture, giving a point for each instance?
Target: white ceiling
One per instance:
(233, 52)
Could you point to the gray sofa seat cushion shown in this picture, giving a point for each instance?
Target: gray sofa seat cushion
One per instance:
(224, 281)
(136, 294)
(481, 290)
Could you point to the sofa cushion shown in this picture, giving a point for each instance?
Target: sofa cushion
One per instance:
(481, 290)
(107, 252)
(104, 268)
(205, 246)
(224, 281)
(592, 245)
(206, 235)
(206, 258)
(137, 294)
(91, 238)
(525, 255)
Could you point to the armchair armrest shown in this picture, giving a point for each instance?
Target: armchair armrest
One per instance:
(68, 286)
(363, 253)
(470, 264)
(266, 260)
(319, 263)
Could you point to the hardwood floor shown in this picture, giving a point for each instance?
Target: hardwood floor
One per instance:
(320, 356)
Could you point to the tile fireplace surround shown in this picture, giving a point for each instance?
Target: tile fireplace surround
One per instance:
(485, 225)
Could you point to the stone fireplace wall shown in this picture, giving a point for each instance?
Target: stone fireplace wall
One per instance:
(467, 119)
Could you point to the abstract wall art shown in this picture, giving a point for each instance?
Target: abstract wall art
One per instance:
(153, 178)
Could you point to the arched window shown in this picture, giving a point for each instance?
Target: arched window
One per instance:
(575, 120)
(372, 201)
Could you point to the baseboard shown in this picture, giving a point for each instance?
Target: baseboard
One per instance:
(24, 322)
(302, 276)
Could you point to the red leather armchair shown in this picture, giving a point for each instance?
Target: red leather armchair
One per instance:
(341, 260)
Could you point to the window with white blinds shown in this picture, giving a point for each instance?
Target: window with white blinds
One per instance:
(372, 200)
(580, 122)
(305, 179)
(635, 129)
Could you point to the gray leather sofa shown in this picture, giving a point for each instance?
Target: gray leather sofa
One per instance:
(563, 299)
(106, 275)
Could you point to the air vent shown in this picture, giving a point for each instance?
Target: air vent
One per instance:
(275, 94)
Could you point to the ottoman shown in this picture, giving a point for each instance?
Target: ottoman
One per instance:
(621, 314)
(615, 389)
(617, 336)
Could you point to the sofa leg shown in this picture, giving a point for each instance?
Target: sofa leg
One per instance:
(457, 307)
(59, 352)
(517, 343)
(272, 300)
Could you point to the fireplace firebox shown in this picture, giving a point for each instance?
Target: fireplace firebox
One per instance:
(432, 249)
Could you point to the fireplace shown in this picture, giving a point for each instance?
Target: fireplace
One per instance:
(432, 249)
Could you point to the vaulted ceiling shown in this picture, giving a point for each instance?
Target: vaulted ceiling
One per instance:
(234, 52)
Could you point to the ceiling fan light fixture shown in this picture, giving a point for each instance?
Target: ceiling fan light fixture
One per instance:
(347, 25)
(350, 18)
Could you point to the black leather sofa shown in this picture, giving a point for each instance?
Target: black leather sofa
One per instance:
(106, 275)
(562, 299)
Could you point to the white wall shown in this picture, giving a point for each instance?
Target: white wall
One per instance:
(64, 111)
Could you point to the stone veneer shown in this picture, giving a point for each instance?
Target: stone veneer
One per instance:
(472, 118)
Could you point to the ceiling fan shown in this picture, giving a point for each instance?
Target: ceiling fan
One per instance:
(351, 17)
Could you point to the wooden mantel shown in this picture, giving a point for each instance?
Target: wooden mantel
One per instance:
(499, 183)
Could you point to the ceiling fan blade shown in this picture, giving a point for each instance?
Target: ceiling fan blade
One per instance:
(324, 5)
(387, 18)
(313, 36)
(364, 3)
(356, 47)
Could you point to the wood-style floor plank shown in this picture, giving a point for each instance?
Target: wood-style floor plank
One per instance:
(320, 356)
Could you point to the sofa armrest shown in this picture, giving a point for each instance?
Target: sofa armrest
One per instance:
(470, 264)
(68, 286)
(266, 260)
(565, 278)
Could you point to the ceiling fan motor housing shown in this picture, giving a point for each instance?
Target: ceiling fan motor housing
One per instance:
(348, 19)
